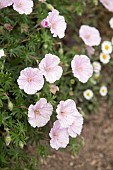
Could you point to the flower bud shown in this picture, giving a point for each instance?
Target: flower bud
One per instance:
(10, 105)
(21, 144)
(50, 7)
(45, 46)
(45, 23)
(7, 139)
(96, 2)
(60, 51)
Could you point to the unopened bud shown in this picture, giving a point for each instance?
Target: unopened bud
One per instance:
(7, 140)
(50, 7)
(96, 2)
(45, 46)
(45, 23)
(21, 144)
(10, 105)
(92, 81)
(61, 51)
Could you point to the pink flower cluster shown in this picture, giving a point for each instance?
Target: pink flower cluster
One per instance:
(56, 23)
(31, 79)
(21, 6)
(69, 121)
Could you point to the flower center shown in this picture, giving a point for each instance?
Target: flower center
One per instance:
(63, 113)
(53, 25)
(104, 56)
(79, 69)
(37, 112)
(103, 90)
(48, 68)
(29, 79)
(87, 36)
(107, 47)
(88, 94)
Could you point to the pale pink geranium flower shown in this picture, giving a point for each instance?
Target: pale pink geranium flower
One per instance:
(30, 80)
(57, 24)
(76, 127)
(5, 3)
(39, 114)
(66, 112)
(108, 4)
(59, 136)
(90, 35)
(82, 68)
(50, 68)
(23, 6)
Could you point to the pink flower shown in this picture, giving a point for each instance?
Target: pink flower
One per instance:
(90, 35)
(45, 23)
(23, 6)
(66, 112)
(39, 114)
(59, 136)
(76, 127)
(50, 69)
(108, 4)
(5, 3)
(30, 80)
(82, 68)
(57, 24)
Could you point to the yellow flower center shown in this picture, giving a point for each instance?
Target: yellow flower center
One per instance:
(103, 90)
(104, 56)
(72, 81)
(88, 94)
(107, 47)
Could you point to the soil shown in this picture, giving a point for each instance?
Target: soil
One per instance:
(97, 153)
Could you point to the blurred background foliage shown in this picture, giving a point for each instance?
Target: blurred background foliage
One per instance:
(25, 44)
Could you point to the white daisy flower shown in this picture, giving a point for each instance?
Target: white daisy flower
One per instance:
(88, 94)
(111, 22)
(106, 47)
(1, 53)
(104, 58)
(103, 91)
